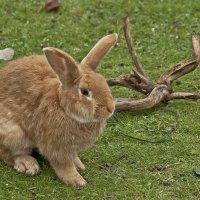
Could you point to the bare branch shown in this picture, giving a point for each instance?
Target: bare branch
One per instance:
(134, 56)
(127, 82)
(196, 46)
(184, 66)
(178, 70)
(184, 95)
(134, 82)
(161, 91)
(157, 95)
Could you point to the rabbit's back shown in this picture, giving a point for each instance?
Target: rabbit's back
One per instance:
(24, 80)
(24, 73)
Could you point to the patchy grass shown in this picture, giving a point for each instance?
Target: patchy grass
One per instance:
(118, 167)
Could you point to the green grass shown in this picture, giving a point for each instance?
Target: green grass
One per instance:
(161, 30)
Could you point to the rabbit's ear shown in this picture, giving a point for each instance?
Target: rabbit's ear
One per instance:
(97, 53)
(63, 64)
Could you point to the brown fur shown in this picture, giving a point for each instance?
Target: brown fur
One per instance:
(43, 109)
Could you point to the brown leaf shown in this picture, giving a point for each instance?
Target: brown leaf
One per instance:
(51, 5)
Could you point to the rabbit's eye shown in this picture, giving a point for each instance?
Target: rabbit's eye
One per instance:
(85, 92)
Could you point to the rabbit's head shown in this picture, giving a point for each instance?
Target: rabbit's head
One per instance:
(85, 95)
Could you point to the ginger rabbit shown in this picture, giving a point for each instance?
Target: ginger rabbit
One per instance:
(55, 105)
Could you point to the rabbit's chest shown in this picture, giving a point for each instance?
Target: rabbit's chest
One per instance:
(87, 135)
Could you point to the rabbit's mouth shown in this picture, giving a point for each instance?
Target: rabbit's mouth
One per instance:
(104, 117)
(104, 112)
(85, 119)
(96, 118)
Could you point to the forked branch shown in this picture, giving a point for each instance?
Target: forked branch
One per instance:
(132, 51)
(157, 92)
(185, 66)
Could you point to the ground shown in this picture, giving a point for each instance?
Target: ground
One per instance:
(117, 167)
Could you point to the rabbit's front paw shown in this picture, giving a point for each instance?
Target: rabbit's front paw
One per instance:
(76, 180)
(79, 165)
(27, 165)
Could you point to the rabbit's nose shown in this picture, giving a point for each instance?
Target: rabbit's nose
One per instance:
(110, 107)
